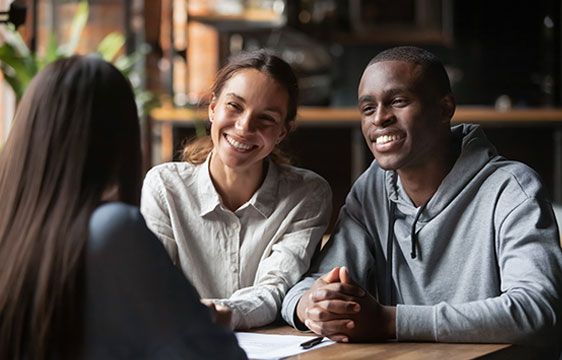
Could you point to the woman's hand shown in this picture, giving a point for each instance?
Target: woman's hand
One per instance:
(221, 314)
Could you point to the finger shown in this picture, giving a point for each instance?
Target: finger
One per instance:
(336, 292)
(344, 276)
(339, 307)
(317, 313)
(330, 328)
(332, 276)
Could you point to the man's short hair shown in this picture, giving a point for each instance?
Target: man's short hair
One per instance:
(432, 68)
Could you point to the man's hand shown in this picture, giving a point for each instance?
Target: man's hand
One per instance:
(220, 314)
(338, 308)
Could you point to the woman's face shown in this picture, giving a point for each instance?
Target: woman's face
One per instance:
(247, 119)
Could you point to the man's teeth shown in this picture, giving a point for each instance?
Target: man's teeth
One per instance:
(237, 144)
(387, 138)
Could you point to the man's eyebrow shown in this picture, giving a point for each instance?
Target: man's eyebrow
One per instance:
(386, 93)
(365, 98)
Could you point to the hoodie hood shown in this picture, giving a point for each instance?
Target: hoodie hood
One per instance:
(476, 152)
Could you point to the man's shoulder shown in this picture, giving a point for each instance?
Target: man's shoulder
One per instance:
(516, 177)
(370, 179)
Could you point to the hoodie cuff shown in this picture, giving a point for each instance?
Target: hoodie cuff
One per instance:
(289, 310)
(416, 322)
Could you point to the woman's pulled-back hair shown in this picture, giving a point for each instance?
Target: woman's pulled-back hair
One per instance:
(75, 135)
(197, 150)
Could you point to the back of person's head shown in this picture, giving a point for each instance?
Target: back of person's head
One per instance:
(75, 135)
(432, 69)
(266, 62)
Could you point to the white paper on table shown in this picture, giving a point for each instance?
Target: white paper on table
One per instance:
(270, 346)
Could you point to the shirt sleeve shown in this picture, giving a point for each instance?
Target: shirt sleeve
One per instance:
(350, 246)
(156, 213)
(528, 309)
(137, 304)
(289, 259)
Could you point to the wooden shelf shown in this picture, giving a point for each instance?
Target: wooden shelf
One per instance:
(326, 115)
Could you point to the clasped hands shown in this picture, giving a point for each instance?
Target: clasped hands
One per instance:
(337, 307)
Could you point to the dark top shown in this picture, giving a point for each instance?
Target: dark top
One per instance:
(137, 304)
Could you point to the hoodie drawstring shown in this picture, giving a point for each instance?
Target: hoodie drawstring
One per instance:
(389, 243)
(413, 236)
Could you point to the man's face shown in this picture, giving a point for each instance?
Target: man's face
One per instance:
(401, 119)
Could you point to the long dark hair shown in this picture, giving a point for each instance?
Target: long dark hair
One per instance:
(196, 151)
(75, 135)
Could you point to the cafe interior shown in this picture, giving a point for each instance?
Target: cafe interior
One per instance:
(503, 58)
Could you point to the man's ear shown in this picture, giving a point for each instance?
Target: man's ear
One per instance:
(211, 107)
(448, 106)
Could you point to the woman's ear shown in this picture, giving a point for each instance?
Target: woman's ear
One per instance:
(286, 131)
(211, 108)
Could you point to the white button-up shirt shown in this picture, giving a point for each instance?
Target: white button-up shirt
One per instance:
(246, 259)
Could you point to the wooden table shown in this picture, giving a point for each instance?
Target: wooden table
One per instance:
(168, 117)
(404, 351)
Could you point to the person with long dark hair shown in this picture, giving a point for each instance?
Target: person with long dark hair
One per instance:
(234, 215)
(81, 275)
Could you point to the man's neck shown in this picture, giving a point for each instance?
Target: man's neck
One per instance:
(421, 182)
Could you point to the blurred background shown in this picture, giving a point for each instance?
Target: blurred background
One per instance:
(503, 58)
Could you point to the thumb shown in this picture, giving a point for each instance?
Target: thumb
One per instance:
(332, 276)
(345, 277)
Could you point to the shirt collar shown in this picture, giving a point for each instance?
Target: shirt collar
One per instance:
(264, 199)
(209, 198)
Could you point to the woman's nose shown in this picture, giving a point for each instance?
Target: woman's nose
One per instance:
(245, 122)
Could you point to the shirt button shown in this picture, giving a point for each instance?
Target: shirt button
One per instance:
(233, 268)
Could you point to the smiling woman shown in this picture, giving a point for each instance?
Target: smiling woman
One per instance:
(240, 221)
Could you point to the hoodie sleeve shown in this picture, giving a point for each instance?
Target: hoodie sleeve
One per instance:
(348, 246)
(528, 309)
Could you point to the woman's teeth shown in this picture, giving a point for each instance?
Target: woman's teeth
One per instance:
(237, 144)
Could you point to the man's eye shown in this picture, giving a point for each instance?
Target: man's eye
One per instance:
(367, 110)
(399, 102)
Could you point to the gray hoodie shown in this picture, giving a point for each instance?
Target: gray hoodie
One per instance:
(487, 265)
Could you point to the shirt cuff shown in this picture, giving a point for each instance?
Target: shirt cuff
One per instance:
(416, 322)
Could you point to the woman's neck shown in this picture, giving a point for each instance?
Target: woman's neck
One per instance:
(236, 186)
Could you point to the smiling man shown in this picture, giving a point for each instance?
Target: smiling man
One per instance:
(441, 239)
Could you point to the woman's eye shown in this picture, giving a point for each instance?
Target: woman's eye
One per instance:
(268, 119)
(233, 106)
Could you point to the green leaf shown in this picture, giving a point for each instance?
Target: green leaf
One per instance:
(14, 39)
(51, 52)
(110, 45)
(78, 23)
(16, 66)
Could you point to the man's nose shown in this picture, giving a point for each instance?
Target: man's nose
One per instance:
(383, 116)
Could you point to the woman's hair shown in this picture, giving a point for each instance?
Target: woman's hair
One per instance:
(196, 150)
(75, 135)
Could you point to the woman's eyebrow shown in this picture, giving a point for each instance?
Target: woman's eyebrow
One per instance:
(236, 96)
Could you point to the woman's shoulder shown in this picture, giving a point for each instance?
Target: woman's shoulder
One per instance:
(171, 172)
(114, 224)
(297, 177)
